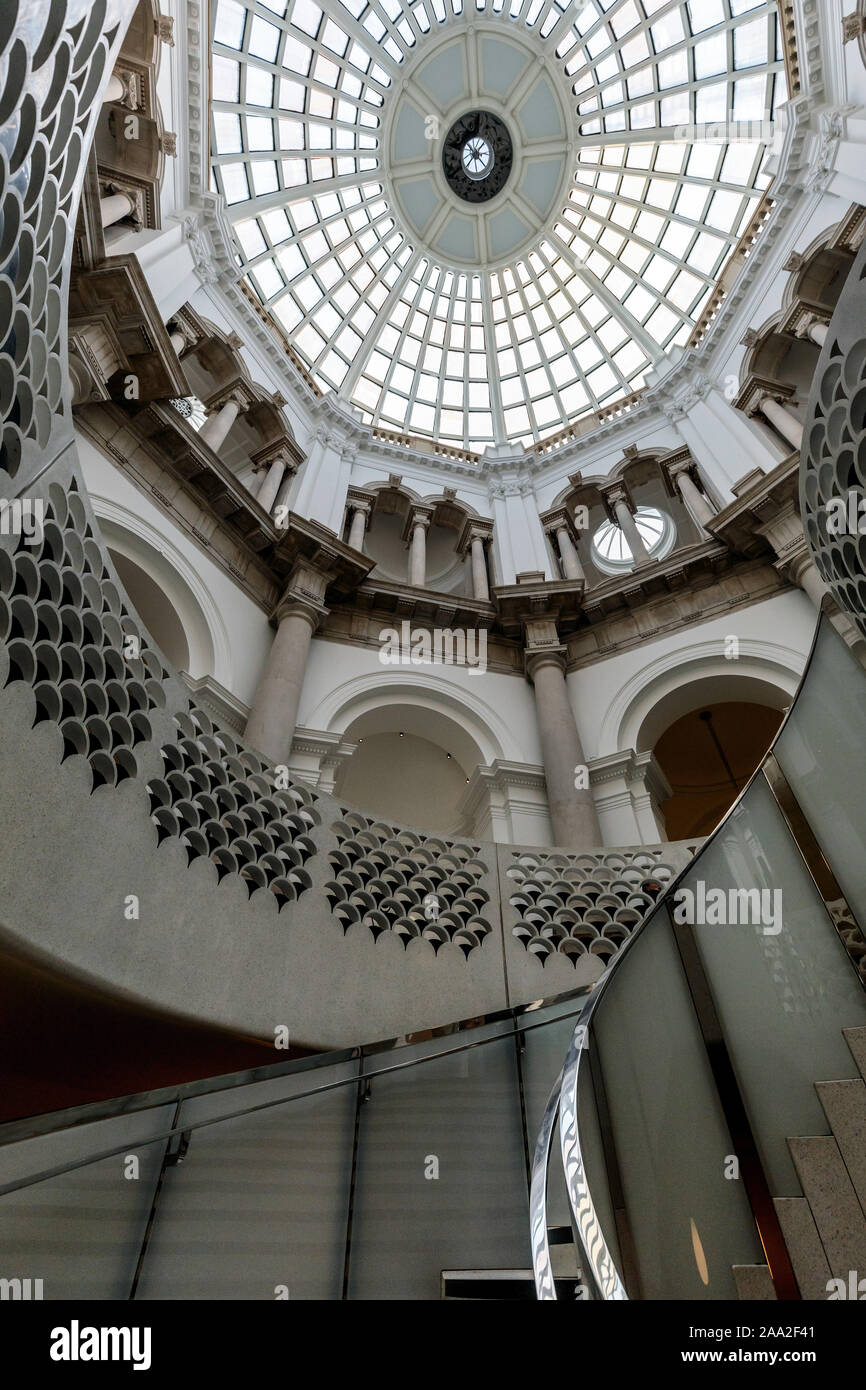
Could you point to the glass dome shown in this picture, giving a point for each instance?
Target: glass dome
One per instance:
(611, 551)
(636, 130)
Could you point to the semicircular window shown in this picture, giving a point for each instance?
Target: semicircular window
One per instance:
(611, 551)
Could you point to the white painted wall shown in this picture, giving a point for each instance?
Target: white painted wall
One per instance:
(237, 626)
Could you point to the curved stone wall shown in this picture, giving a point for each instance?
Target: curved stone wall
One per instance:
(145, 846)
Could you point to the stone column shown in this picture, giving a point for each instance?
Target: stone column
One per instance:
(270, 484)
(480, 584)
(114, 206)
(358, 526)
(626, 522)
(785, 534)
(274, 714)
(571, 566)
(787, 424)
(79, 380)
(282, 497)
(419, 522)
(815, 330)
(572, 809)
(696, 504)
(221, 417)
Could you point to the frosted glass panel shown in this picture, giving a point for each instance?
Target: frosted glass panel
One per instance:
(81, 1232)
(259, 1202)
(783, 998)
(820, 750)
(457, 1116)
(689, 1223)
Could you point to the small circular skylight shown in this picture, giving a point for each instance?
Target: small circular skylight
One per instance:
(611, 551)
(477, 157)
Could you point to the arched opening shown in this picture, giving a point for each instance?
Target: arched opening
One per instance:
(155, 610)
(708, 756)
(411, 765)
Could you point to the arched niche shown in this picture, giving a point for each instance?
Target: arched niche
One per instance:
(169, 598)
(447, 568)
(713, 671)
(411, 764)
(644, 476)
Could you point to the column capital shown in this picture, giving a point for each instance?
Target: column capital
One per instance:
(304, 594)
(359, 499)
(536, 657)
(674, 464)
(556, 519)
(136, 195)
(277, 451)
(132, 96)
(474, 528)
(613, 491)
(237, 393)
(418, 515)
(802, 317)
(756, 390)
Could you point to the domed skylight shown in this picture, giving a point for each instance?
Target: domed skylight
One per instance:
(479, 319)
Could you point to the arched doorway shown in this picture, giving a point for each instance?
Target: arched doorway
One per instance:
(708, 756)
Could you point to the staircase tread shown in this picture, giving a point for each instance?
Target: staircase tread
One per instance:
(833, 1201)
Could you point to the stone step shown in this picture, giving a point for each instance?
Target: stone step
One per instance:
(804, 1246)
(844, 1105)
(754, 1284)
(856, 1040)
(830, 1193)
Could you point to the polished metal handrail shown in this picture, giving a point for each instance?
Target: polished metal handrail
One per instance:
(188, 1127)
(542, 1267)
(32, 1126)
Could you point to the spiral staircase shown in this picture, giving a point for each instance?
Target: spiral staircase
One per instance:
(708, 1104)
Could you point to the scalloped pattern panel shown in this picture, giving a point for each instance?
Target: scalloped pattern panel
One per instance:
(53, 59)
(216, 797)
(395, 880)
(833, 460)
(68, 635)
(582, 904)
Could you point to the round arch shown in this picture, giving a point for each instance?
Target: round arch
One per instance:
(482, 728)
(169, 569)
(674, 684)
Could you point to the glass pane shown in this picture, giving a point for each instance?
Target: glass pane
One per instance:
(259, 1204)
(818, 749)
(441, 1175)
(689, 1224)
(81, 1233)
(783, 985)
